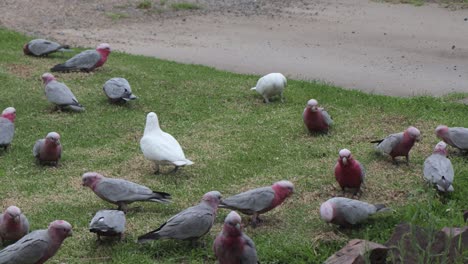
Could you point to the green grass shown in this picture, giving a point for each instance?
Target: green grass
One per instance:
(236, 142)
(145, 4)
(184, 6)
(116, 16)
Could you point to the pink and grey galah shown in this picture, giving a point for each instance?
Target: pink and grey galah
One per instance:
(121, 192)
(456, 137)
(398, 144)
(438, 170)
(38, 246)
(48, 151)
(59, 94)
(118, 90)
(232, 246)
(316, 119)
(348, 212)
(349, 173)
(13, 224)
(7, 127)
(43, 47)
(87, 60)
(190, 224)
(260, 200)
(271, 85)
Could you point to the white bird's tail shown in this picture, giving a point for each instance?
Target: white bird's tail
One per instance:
(253, 88)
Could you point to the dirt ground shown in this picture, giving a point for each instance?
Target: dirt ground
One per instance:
(376, 47)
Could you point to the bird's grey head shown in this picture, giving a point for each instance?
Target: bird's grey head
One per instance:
(54, 136)
(47, 77)
(61, 227)
(312, 104)
(413, 132)
(89, 178)
(345, 155)
(9, 110)
(103, 46)
(441, 130)
(233, 219)
(14, 212)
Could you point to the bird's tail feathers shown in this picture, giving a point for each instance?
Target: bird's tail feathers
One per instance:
(253, 88)
(153, 235)
(77, 108)
(161, 197)
(130, 97)
(377, 141)
(59, 68)
(381, 208)
(65, 48)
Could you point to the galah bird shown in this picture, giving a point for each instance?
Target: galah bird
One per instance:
(454, 136)
(190, 224)
(118, 90)
(260, 200)
(38, 246)
(160, 147)
(121, 192)
(87, 60)
(13, 224)
(438, 170)
(7, 127)
(349, 173)
(48, 151)
(43, 47)
(59, 94)
(271, 85)
(108, 223)
(316, 119)
(398, 144)
(232, 246)
(348, 212)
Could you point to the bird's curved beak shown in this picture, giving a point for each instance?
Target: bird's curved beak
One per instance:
(238, 226)
(344, 160)
(16, 218)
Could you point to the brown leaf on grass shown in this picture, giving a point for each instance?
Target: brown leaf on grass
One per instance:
(357, 251)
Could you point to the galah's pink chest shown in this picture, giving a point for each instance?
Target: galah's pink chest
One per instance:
(314, 120)
(50, 152)
(403, 148)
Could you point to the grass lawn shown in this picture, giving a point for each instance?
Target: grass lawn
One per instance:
(236, 142)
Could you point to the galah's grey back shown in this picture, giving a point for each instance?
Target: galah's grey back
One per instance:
(326, 117)
(438, 170)
(349, 211)
(189, 224)
(251, 201)
(108, 222)
(118, 89)
(249, 255)
(85, 60)
(41, 47)
(7, 131)
(38, 147)
(459, 137)
(390, 142)
(118, 190)
(59, 94)
(28, 250)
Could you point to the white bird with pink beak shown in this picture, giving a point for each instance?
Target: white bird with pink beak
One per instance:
(13, 224)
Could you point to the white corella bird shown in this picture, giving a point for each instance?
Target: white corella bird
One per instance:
(160, 147)
(271, 85)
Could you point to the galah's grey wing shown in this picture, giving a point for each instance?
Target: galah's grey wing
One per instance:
(327, 117)
(84, 60)
(303, 112)
(390, 142)
(459, 137)
(112, 220)
(255, 200)
(355, 211)
(41, 47)
(24, 223)
(363, 171)
(7, 131)
(249, 256)
(193, 222)
(28, 250)
(117, 88)
(58, 93)
(38, 146)
(117, 190)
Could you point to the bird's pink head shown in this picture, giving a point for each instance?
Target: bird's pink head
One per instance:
(312, 104)
(60, 229)
(213, 198)
(26, 49)
(345, 156)
(327, 211)
(13, 212)
(91, 178)
(413, 133)
(9, 113)
(233, 224)
(441, 131)
(54, 137)
(441, 148)
(104, 47)
(47, 77)
(286, 187)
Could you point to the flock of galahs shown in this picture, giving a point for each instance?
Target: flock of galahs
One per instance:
(231, 245)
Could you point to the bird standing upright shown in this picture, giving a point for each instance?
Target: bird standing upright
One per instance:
(7, 127)
(316, 119)
(398, 144)
(349, 173)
